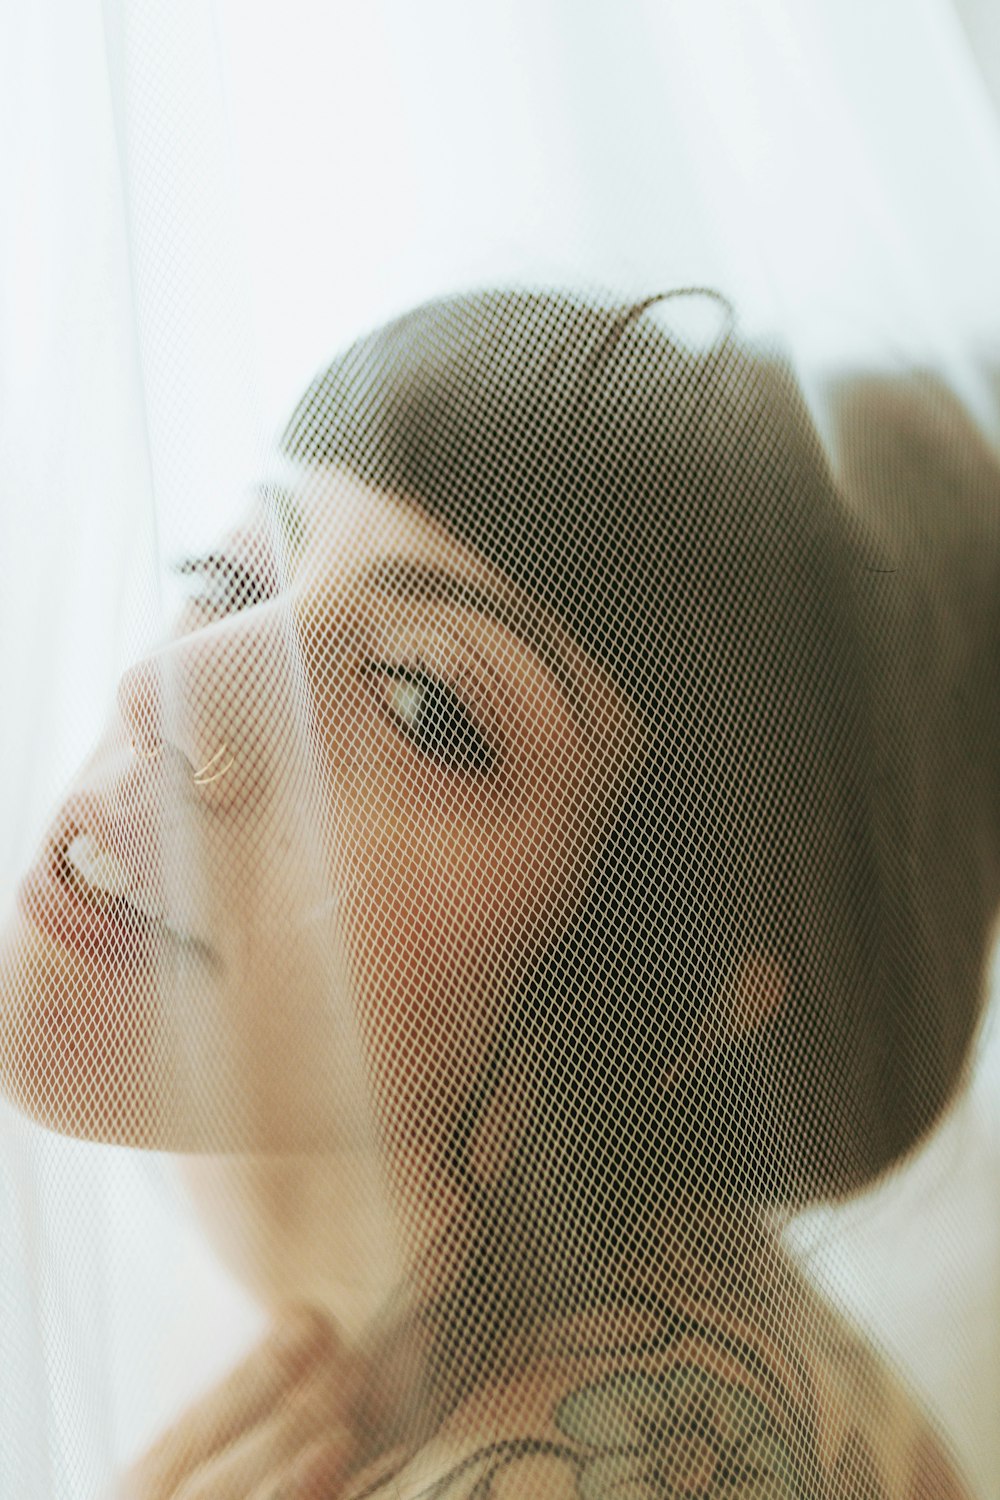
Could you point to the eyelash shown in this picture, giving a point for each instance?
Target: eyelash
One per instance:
(452, 739)
(236, 586)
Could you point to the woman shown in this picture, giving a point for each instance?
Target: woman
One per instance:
(554, 717)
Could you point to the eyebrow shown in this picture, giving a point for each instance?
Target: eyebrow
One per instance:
(506, 605)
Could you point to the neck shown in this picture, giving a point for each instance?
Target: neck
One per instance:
(703, 1262)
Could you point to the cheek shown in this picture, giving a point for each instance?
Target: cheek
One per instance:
(453, 886)
(484, 885)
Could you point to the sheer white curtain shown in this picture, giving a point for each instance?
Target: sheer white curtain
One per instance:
(199, 206)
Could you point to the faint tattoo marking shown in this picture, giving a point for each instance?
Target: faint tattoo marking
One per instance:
(678, 1436)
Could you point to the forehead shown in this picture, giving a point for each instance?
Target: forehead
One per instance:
(327, 524)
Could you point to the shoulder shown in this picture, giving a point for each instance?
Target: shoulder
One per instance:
(874, 1437)
(683, 1408)
(703, 1409)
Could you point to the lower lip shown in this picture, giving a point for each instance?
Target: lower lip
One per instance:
(98, 933)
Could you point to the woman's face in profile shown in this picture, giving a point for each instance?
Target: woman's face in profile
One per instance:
(341, 811)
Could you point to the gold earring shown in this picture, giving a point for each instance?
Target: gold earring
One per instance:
(212, 770)
(144, 754)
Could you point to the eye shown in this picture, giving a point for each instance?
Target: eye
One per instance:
(431, 716)
(227, 586)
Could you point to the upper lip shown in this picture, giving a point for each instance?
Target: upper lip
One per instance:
(130, 834)
(132, 838)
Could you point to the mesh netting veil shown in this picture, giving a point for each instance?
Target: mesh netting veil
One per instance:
(495, 977)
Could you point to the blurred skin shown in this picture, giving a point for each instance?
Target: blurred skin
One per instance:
(356, 807)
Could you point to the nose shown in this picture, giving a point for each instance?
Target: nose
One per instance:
(140, 705)
(177, 701)
(171, 704)
(189, 694)
(220, 700)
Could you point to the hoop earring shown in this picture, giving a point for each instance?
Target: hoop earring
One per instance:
(212, 770)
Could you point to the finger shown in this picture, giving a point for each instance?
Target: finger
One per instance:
(274, 1446)
(317, 1473)
(300, 1339)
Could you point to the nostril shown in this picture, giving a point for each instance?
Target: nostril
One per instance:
(139, 703)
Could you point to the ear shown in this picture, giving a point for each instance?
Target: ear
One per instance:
(746, 1001)
(754, 994)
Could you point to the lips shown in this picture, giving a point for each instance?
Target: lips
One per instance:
(96, 887)
(88, 921)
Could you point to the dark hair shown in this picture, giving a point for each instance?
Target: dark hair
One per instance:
(674, 508)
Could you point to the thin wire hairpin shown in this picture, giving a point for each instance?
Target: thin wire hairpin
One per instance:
(692, 291)
(635, 310)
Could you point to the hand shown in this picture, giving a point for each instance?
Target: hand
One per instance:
(278, 1425)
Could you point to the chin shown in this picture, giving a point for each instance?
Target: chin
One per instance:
(80, 1056)
(67, 1061)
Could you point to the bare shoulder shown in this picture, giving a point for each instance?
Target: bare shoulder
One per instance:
(628, 1434)
(705, 1409)
(873, 1436)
